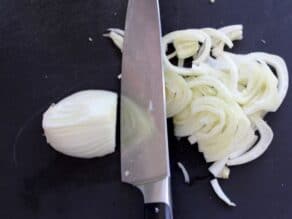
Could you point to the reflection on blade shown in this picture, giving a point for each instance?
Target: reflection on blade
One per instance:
(137, 123)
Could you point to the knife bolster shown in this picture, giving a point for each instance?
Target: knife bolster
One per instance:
(157, 192)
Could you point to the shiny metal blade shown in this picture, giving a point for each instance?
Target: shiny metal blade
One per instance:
(144, 146)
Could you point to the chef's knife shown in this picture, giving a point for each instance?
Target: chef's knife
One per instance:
(144, 145)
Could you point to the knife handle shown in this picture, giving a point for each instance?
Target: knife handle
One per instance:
(157, 211)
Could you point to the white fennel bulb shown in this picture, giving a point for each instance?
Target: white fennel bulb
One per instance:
(83, 124)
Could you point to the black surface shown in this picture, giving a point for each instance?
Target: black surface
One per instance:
(45, 55)
(157, 211)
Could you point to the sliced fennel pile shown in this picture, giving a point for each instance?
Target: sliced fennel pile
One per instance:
(83, 124)
(220, 101)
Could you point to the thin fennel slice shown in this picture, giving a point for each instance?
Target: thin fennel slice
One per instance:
(219, 192)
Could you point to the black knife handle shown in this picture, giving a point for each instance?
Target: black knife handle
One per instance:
(157, 211)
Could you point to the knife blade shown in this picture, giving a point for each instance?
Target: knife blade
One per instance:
(144, 144)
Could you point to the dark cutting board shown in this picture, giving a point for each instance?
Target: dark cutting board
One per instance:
(45, 55)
